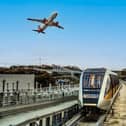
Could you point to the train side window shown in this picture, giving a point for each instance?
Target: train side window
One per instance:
(108, 85)
(114, 79)
(115, 83)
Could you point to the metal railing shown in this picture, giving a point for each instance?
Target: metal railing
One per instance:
(29, 96)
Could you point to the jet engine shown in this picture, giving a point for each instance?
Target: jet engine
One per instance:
(57, 23)
(44, 20)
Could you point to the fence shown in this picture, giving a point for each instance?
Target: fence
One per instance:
(29, 96)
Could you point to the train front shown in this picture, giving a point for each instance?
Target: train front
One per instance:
(90, 85)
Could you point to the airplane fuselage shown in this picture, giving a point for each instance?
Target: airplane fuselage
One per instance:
(50, 22)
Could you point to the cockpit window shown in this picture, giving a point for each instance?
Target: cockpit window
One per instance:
(93, 80)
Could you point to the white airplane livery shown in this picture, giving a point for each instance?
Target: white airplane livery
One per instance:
(46, 22)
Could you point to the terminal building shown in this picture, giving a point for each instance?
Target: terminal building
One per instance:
(11, 82)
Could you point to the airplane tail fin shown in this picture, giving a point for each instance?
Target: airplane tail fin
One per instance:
(43, 32)
(38, 31)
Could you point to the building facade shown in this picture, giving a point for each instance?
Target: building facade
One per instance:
(11, 82)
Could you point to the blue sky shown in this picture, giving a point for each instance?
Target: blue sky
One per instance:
(94, 34)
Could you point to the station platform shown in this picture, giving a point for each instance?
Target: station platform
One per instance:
(16, 116)
(5, 111)
(117, 117)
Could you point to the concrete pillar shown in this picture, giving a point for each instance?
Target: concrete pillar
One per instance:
(4, 81)
(7, 87)
(37, 123)
(62, 114)
(48, 121)
(32, 124)
(36, 85)
(44, 122)
(69, 87)
(54, 120)
(17, 85)
(60, 117)
(50, 87)
(51, 119)
(62, 86)
(40, 122)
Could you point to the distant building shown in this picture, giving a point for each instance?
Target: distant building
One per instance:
(62, 81)
(9, 82)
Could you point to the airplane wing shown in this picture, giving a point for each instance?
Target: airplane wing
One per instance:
(36, 20)
(60, 27)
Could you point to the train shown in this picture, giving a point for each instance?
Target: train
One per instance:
(98, 88)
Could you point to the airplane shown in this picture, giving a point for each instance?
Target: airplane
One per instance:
(46, 22)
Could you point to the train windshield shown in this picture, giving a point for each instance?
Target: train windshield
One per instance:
(93, 80)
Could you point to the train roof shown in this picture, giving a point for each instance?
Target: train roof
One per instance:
(95, 70)
(102, 70)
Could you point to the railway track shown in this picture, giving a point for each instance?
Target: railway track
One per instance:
(87, 119)
(92, 117)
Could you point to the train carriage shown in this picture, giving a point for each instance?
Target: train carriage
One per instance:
(98, 88)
